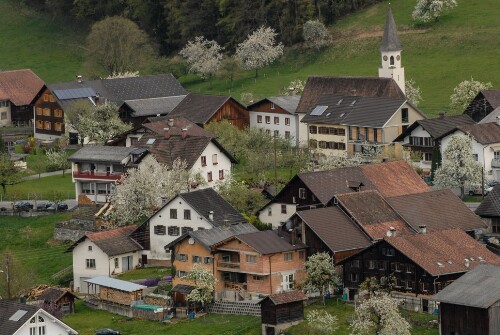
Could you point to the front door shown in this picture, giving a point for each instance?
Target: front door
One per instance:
(144, 260)
(126, 263)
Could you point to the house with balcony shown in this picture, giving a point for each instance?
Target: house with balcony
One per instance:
(97, 168)
(421, 137)
(277, 116)
(485, 145)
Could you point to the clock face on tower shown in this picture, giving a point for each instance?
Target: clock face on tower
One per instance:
(385, 58)
(398, 57)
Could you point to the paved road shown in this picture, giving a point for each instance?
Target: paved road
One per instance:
(72, 203)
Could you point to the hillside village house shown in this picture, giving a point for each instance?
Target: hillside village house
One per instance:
(422, 136)
(105, 253)
(203, 109)
(22, 319)
(489, 209)
(55, 98)
(277, 116)
(18, 89)
(485, 102)
(485, 145)
(196, 210)
(137, 111)
(421, 264)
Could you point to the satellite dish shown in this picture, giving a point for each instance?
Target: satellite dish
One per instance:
(191, 240)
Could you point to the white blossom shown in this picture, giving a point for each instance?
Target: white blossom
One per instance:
(295, 87)
(203, 56)
(321, 322)
(320, 273)
(428, 10)
(335, 162)
(204, 282)
(413, 92)
(465, 92)
(379, 314)
(259, 49)
(125, 74)
(315, 34)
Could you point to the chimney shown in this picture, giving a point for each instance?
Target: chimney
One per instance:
(170, 122)
(97, 98)
(422, 229)
(79, 78)
(466, 262)
(391, 232)
(211, 215)
(441, 115)
(292, 91)
(184, 132)
(166, 132)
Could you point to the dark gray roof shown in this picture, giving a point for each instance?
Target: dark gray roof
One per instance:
(355, 110)
(209, 237)
(492, 117)
(438, 126)
(112, 242)
(206, 200)
(484, 133)
(8, 309)
(267, 242)
(53, 294)
(100, 153)
(490, 207)
(154, 106)
(480, 287)
(390, 40)
(288, 103)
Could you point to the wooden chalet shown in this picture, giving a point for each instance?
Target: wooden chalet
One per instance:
(471, 304)
(280, 311)
(203, 109)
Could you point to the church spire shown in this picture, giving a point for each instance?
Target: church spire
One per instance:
(390, 41)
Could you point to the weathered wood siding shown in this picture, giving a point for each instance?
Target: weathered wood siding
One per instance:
(233, 113)
(457, 319)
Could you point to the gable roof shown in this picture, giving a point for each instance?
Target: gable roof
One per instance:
(436, 127)
(101, 153)
(355, 110)
(13, 315)
(491, 117)
(334, 228)
(490, 207)
(19, 86)
(264, 242)
(372, 213)
(484, 133)
(209, 237)
(111, 242)
(317, 86)
(285, 297)
(390, 40)
(437, 210)
(493, 97)
(444, 251)
(394, 178)
(288, 103)
(153, 106)
(199, 108)
(479, 287)
(53, 294)
(116, 284)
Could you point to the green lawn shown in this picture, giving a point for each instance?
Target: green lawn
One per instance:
(146, 273)
(44, 188)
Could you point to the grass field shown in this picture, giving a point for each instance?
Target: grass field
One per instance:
(146, 273)
(44, 188)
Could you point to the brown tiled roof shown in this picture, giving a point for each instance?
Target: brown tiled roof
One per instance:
(264, 242)
(199, 108)
(286, 297)
(349, 86)
(53, 294)
(438, 126)
(484, 133)
(490, 207)
(334, 229)
(373, 213)
(493, 97)
(444, 251)
(19, 86)
(437, 210)
(394, 178)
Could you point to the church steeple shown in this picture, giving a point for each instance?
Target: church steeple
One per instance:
(390, 51)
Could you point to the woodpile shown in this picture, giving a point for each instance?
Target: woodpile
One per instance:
(34, 293)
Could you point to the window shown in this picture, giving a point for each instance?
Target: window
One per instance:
(287, 135)
(288, 256)
(181, 274)
(410, 268)
(313, 130)
(208, 260)
(251, 258)
(354, 277)
(160, 230)
(276, 120)
(181, 257)
(302, 193)
(203, 161)
(272, 106)
(214, 159)
(90, 248)
(381, 265)
(496, 154)
(209, 176)
(409, 284)
(51, 98)
(58, 126)
(276, 133)
(90, 263)
(359, 137)
(187, 214)
(173, 213)
(221, 174)
(258, 278)
(197, 259)
(58, 113)
(421, 141)
(283, 208)
(3, 116)
(46, 112)
(287, 121)
(88, 188)
(47, 125)
(117, 263)
(375, 135)
(269, 211)
(391, 60)
(39, 111)
(45, 97)
(186, 229)
(268, 132)
(475, 157)
(371, 264)
(302, 254)
(259, 118)
(173, 231)
(268, 119)
(388, 251)
(404, 115)
(350, 133)
(133, 141)
(355, 263)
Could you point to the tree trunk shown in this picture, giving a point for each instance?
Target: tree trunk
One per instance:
(4, 189)
(462, 192)
(256, 73)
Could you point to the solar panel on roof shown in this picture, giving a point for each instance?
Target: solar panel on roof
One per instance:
(319, 110)
(18, 315)
(75, 93)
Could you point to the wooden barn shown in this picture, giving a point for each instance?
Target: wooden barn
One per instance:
(63, 299)
(282, 310)
(114, 290)
(471, 304)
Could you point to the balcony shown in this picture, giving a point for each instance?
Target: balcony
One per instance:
(495, 163)
(97, 175)
(228, 265)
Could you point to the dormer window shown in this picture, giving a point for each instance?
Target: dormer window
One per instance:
(151, 141)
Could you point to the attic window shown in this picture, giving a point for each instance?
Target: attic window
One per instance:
(151, 141)
(340, 101)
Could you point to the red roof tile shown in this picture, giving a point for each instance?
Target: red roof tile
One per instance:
(107, 234)
(19, 86)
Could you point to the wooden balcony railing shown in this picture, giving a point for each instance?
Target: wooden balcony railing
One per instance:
(228, 265)
(97, 175)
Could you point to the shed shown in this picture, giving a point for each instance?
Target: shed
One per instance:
(63, 299)
(282, 310)
(115, 290)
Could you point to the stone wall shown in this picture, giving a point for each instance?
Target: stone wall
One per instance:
(72, 230)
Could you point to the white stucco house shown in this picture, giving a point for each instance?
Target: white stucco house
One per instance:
(105, 253)
(196, 210)
(485, 145)
(22, 319)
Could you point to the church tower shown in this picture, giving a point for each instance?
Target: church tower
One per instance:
(390, 51)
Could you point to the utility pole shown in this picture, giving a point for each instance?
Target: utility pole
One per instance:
(275, 166)
(7, 269)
